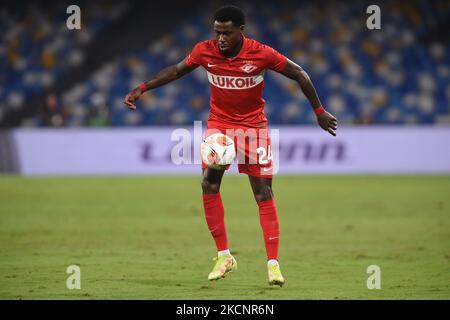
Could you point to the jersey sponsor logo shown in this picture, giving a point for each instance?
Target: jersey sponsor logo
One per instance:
(234, 83)
(248, 68)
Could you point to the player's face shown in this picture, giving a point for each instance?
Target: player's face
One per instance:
(228, 35)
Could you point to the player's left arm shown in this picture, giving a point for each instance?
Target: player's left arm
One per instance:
(325, 119)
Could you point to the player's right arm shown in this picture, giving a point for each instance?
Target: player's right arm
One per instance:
(165, 76)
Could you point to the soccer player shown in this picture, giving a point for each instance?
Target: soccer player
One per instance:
(235, 66)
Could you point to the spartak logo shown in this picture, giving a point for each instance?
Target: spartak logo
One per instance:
(248, 67)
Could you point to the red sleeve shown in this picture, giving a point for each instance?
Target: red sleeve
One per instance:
(275, 60)
(194, 58)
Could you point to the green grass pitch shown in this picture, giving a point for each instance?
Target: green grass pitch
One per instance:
(146, 238)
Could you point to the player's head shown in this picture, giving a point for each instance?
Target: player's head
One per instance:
(229, 24)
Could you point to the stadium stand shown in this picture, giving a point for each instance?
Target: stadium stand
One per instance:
(397, 75)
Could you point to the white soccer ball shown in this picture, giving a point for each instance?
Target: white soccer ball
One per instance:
(217, 151)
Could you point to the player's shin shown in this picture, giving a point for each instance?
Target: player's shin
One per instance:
(269, 222)
(214, 213)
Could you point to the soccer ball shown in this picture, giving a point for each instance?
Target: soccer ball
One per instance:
(217, 151)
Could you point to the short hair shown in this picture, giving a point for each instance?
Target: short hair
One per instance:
(230, 13)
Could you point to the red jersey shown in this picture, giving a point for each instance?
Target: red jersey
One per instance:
(237, 83)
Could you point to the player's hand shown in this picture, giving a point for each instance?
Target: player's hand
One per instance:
(328, 122)
(131, 98)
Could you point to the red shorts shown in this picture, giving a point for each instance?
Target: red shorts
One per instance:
(252, 145)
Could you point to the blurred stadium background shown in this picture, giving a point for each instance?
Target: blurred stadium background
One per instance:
(55, 77)
(62, 113)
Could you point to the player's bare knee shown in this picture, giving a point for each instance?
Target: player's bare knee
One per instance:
(263, 195)
(210, 187)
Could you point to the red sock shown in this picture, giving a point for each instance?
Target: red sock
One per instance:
(269, 222)
(214, 213)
